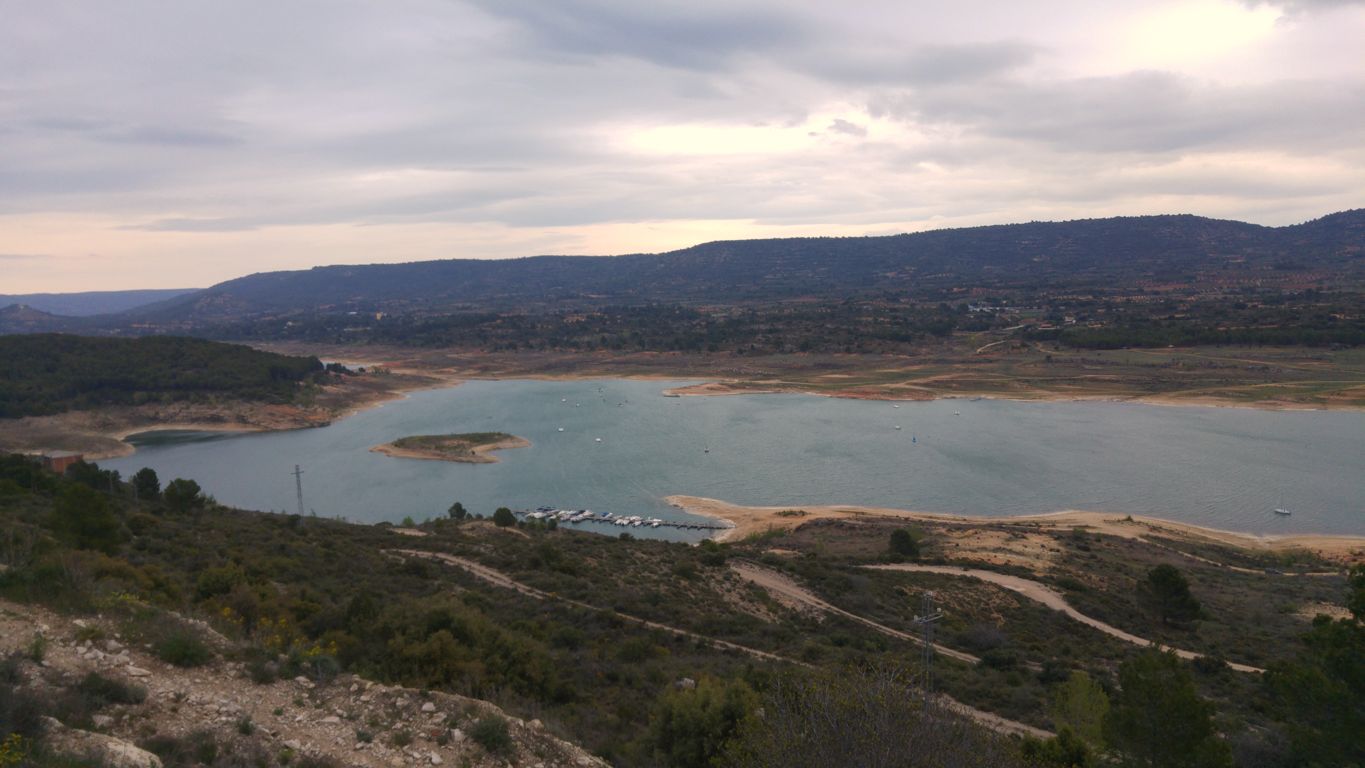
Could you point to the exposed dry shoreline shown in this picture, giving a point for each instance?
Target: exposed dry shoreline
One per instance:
(750, 520)
(99, 434)
(478, 454)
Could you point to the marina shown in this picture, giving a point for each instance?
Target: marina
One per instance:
(577, 516)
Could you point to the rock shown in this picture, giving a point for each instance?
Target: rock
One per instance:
(102, 721)
(293, 744)
(685, 684)
(137, 671)
(331, 720)
(456, 735)
(94, 747)
(113, 646)
(436, 759)
(428, 707)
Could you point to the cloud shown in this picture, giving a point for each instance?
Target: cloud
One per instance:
(220, 137)
(694, 36)
(1146, 112)
(847, 128)
(20, 256)
(1297, 7)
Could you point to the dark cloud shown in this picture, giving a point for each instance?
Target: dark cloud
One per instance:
(925, 65)
(843, 126)
(1295, 7)
(692, 36)
(1149, 112)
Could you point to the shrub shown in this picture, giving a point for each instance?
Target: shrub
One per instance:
(904, 542)
(503, 518)
(491, 733)
(195, 748)
(107, 690)
(182, 648)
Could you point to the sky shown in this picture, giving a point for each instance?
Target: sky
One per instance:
(180, 143)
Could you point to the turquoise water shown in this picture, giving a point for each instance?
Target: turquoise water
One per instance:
(1221, 467)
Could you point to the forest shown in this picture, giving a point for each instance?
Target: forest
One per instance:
(50, 373)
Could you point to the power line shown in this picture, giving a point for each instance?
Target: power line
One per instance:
(927, 620)
(298, 486)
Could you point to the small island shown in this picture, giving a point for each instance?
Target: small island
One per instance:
(468, 448)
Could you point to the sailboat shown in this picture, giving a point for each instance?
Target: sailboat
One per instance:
(1283, 511)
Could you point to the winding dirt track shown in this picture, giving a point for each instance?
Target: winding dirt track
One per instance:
(497, 578)
(1044, 594)
(500, 579)
(784, 587)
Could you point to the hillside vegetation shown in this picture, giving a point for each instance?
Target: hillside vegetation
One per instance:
(654, 653)
(52, 373)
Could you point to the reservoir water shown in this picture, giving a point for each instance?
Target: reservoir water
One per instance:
(1220, 467)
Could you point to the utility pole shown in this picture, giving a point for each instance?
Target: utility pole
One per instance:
(927, 620)
(298, 486)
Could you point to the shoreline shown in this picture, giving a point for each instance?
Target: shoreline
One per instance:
(479, 454)
(748, 520)
(732, 387)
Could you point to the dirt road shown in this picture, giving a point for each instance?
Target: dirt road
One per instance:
(788, 591)
(497, 578)
(1044, 594)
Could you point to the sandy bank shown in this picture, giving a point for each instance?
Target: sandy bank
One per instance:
(751, 520)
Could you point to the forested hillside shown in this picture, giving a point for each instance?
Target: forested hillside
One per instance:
(1089, 254)
(50, 373)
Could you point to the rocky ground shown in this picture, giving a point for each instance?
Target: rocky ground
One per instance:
(348, 720)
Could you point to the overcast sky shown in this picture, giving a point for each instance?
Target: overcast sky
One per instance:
(183, 142)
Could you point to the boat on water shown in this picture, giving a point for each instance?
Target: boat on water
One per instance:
(1282, 511)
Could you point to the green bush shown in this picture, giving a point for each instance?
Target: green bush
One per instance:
(904, 542)
(182, 648)
(491, 733)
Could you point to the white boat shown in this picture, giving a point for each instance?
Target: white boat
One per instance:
(895, 406)
(1283, 511)
(561, 429)
(597, 439)
(898, 426)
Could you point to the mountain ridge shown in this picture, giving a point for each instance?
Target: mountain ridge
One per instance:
(787, 268)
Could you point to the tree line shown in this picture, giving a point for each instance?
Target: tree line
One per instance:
(50, 373)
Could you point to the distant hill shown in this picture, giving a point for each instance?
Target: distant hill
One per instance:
(1085, 254)
(90, 302)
